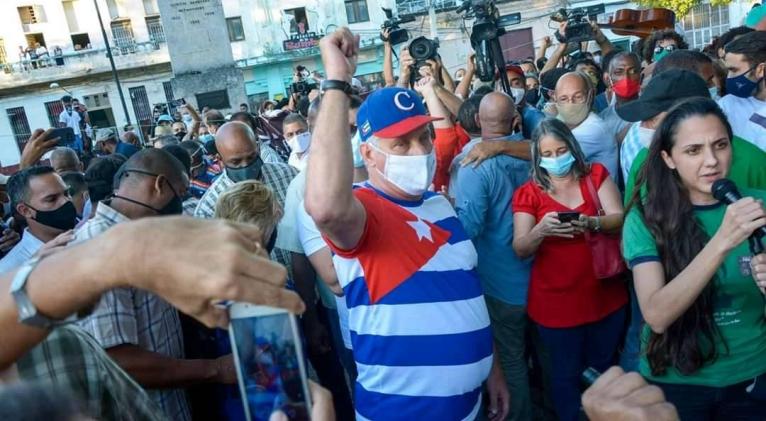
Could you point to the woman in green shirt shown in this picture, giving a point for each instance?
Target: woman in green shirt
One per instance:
(704, 343)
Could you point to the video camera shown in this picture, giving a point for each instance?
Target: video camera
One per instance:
(488, 26)
(396, 35)
(578, 23)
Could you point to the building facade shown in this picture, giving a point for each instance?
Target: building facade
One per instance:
(269, 38)
(265, 39)
(76, 63)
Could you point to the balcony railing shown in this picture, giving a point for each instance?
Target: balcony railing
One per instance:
(410, 7)
(81, 63)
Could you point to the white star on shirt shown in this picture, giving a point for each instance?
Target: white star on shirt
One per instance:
(422, 229)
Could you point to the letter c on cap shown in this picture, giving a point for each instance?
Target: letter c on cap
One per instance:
(399, 104)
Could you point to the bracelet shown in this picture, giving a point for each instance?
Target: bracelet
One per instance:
(597, 227)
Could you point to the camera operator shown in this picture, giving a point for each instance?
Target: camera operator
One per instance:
(561, 50)
(388, 58)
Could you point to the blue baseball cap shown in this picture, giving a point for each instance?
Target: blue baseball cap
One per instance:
(165, 117)
(390, 113)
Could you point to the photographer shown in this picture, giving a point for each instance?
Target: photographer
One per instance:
(561, 50)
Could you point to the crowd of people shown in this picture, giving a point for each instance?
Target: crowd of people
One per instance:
(454, 251)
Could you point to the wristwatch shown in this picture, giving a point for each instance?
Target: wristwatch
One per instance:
(340, 85)
(28, 313)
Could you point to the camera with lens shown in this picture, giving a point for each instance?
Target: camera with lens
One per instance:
(488, 26)
(396, 35)
(304, 85)
(423, 49)
(578, 24)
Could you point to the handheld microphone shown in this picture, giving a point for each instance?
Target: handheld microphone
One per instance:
(725, 191)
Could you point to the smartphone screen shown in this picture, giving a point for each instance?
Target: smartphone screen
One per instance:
(270, 364)
(565, 217)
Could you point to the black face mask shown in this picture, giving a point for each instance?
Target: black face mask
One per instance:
(173, 207)
(272, 241)
(63, 218)
(532, 97)
(180, 135)
(250, 172)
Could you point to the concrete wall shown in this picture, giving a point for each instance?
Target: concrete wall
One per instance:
(196, 34)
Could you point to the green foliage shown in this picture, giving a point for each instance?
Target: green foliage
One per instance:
(681, 7)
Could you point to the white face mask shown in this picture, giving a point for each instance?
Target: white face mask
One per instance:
(300, 142)
(645, 136)
(518, 95)
(412, 174)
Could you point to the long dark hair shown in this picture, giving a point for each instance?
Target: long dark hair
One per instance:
(689, 342)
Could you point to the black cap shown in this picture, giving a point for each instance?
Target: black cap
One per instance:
(662, 92)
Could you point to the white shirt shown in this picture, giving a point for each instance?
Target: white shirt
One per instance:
(613, 122)
(747, 117)
(312, 242)
(298, 162)
(597, 143)
(71, 119)
(21, 252)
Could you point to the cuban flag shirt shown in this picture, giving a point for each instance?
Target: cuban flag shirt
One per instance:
(419, 324)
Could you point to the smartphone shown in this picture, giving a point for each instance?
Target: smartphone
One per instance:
(65, 135)
(270, 363)
(177, 102)
(565, 217)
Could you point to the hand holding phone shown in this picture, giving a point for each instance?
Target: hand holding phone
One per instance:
(551, 226)
(270, 362)
(65, 136)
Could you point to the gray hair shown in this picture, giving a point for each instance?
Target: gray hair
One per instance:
(560, 131)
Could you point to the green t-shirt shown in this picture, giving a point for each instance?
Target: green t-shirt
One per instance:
(738, 306)
(748, 167)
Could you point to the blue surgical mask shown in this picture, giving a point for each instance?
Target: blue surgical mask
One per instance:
(741, 85)
(559, 166)
(714, 93)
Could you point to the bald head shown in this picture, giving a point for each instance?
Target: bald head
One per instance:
(236, 143)
(496, 115)
(154, 161)
(573, 86)
(65, 159)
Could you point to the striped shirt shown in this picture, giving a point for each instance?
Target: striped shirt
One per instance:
(136, 317)
(419, 325)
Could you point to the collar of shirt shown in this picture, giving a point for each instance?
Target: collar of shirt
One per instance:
(105, 213)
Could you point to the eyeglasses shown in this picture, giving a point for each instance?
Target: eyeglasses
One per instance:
(578, 98)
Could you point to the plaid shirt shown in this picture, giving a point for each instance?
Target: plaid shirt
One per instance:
(276, 176)
(72, 361)
(270, 156)
(136, 317)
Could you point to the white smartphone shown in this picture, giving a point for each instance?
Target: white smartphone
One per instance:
(271, 369)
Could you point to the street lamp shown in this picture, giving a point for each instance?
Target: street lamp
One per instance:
(55, 85)
(111, 62)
